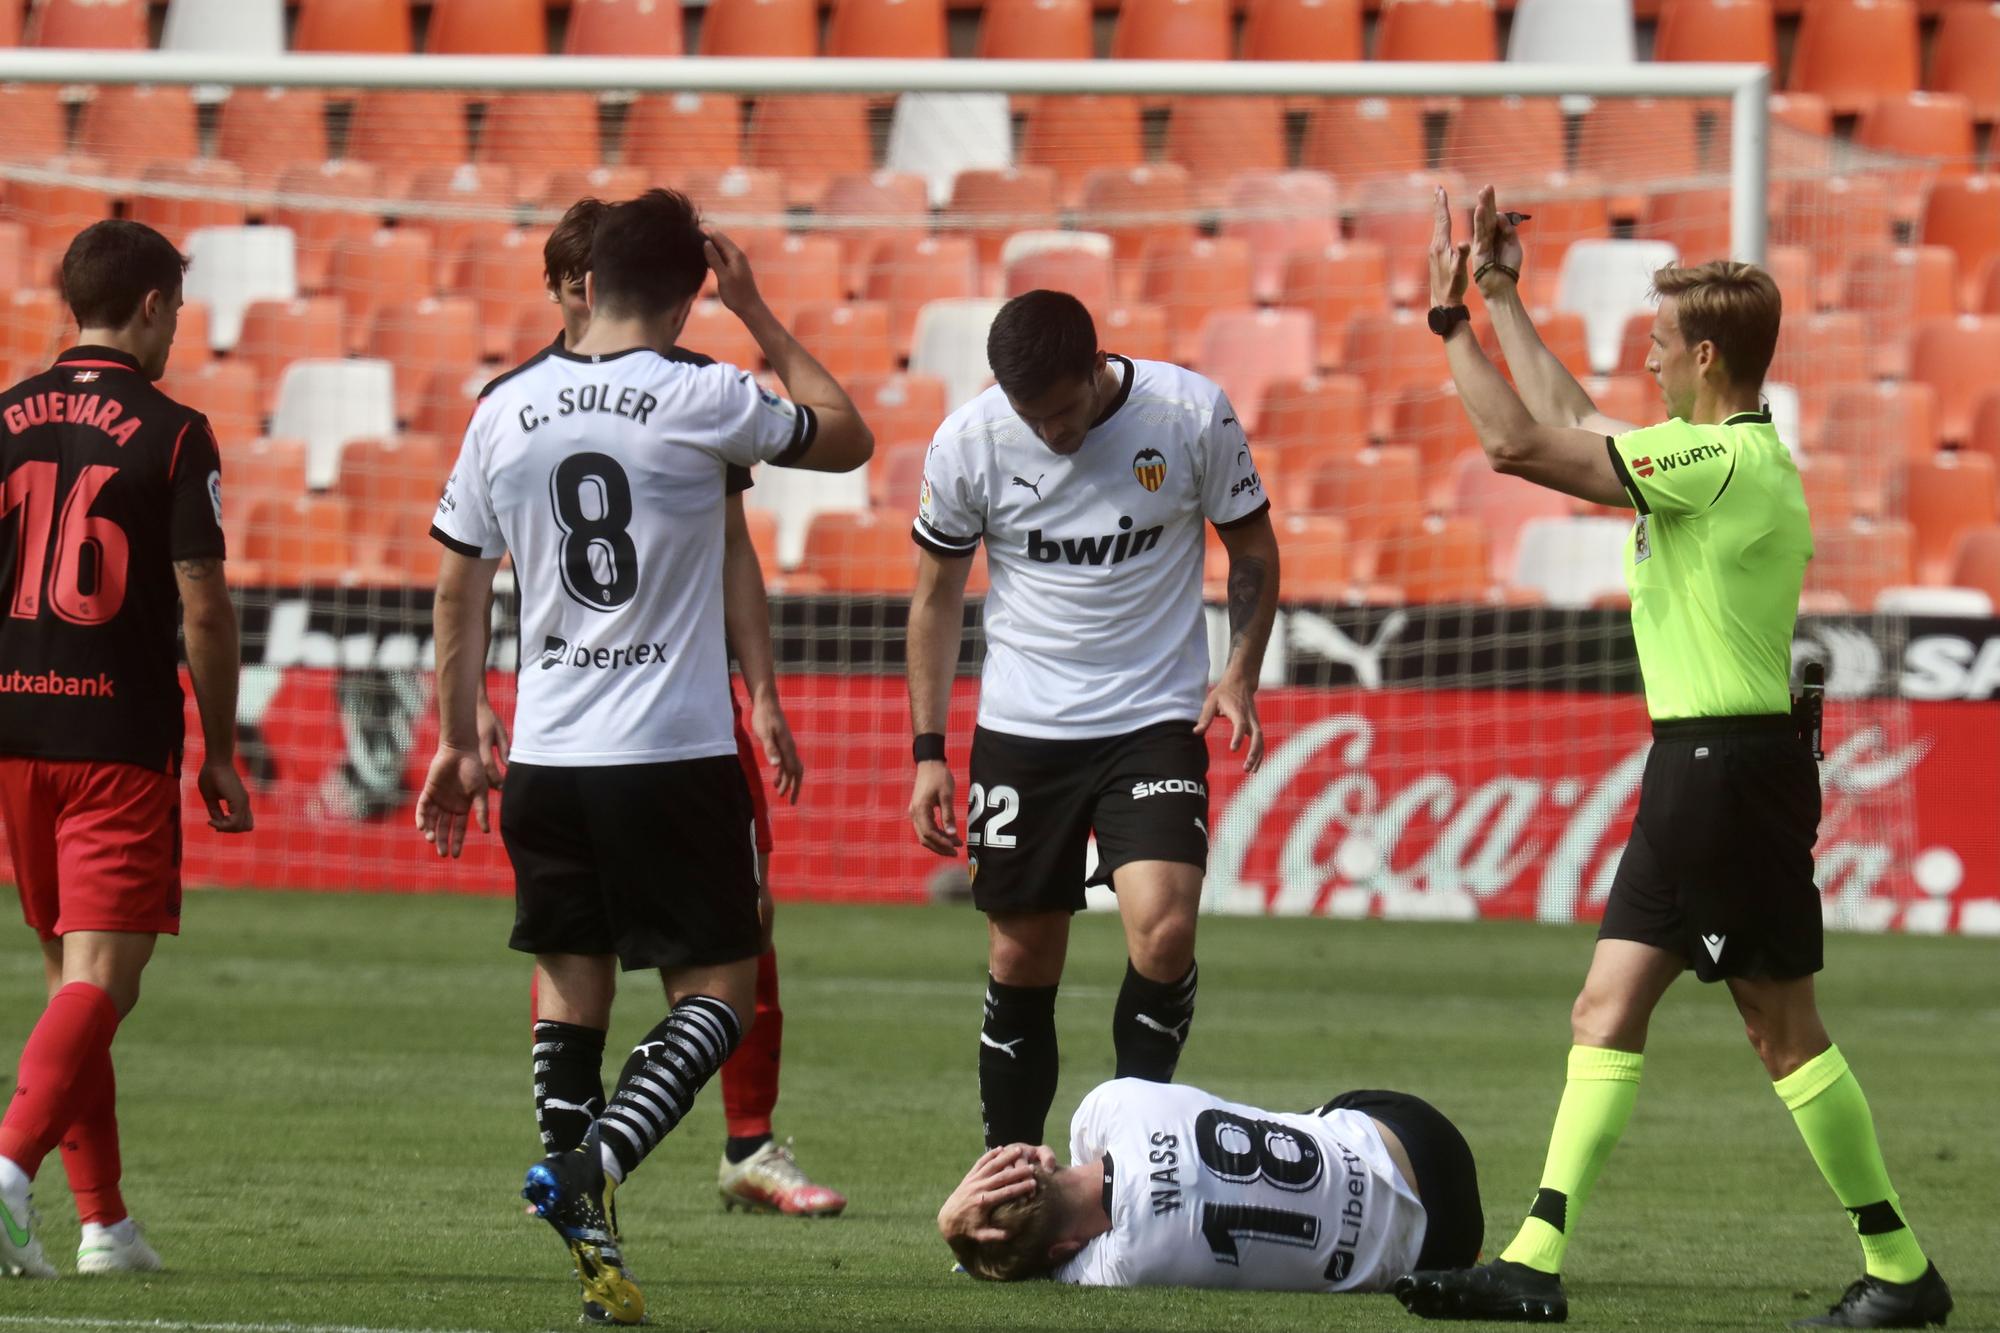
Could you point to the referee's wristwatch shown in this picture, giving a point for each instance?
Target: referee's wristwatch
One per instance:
(1445, 318)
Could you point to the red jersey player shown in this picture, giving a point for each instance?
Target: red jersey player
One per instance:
(113, 501)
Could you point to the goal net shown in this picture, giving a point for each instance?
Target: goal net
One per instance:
(1451, 694)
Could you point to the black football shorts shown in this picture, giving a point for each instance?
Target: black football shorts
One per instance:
(1034, 803)
(653, 862)
(1719, 868)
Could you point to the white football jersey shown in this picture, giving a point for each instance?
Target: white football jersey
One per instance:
(1093, 624)
(604, 477)
(1210, 1193)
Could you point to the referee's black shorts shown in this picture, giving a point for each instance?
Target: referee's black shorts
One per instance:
(1719, 868)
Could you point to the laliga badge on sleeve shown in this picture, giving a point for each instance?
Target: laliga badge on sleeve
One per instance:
(1642, 548)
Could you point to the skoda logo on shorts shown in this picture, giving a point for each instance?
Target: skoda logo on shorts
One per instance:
(1150, 467)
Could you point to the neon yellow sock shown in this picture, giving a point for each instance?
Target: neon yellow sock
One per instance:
(1832, 1116)
(1597, 1101)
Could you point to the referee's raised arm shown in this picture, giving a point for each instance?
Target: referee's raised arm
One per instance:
(841, 440)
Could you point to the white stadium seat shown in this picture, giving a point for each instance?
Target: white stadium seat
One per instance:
(1783, 400)
(938, 135)
(1573, 32)
(1572, 561)
(246, 27)
(328, 403)
(950, 343)
(1606, 282)
(1970, 603)
(1023, 244)
(232, 267)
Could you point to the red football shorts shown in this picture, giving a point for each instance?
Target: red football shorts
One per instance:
(97, 846)
(760, 809)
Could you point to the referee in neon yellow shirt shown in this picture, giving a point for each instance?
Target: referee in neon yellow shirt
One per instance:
(1718, 872)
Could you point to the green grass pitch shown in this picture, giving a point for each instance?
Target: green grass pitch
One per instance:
(326, 1117)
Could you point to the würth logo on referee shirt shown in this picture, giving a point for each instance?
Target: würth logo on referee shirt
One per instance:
(1668, 462)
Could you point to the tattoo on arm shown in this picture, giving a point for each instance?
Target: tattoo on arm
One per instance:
(1246, 589)
(196, 570)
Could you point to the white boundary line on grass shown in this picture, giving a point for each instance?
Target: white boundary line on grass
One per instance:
(164, 1325)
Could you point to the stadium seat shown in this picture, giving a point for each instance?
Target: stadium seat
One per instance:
(461, 187)
(389, 268)
(1694, 222)
(899, 407)
(262, 470)
(1140, 208)
(32, 329)
(354, 25)
(488, 28)
(298, 543)
(227, 393)
(1280, 215)
(1436, 30)
(990, 206)
(1965, 57)
(127, 126)
(175, 217)
(1303, 424)
(1852, 52)
(1501, 504)
(53, 212)
(1925, 125)
(1302, 30)
(891, 29)
(391, 488)
(1215, 138)
(1834, 216)
(1891, 289)
(1965, 215)
(1246, 350)
(896, 477)
(402, 130)
(1571, 562)
(1922, 600)
(430, 342)
(1570, 208)
(1580, 32)
(1335, 283)
(760, 28)
(747, 202)
(1976, 562)
(234, 266)
(673, 133)
(13, 256)
(237, 27)
(1832, 494)
(1356, 137)
(1857, 561)
(1629, 398)
(1137, 331)
(864, 553)
(12, 13)
(897, 207)
(1505, 139)
(1397, 215)
(1878, 427)
(1956, 357)
(1431, 423)
(1391, 352)
(1806, 113)
(34, 119)
(1373, 492)
(1436, 560)
(1316, 566)
(327, 403)
(938, 135)
(1084, 271)
(1983, 436)
(1190, 277)
(908, 274)
(539, 134)
(950, 343)
(1172, 30)
(1076, 135)
(1717, 30)
(797, 271)
(1606, 282)
(1948, 494)
(318, 231)
(1816, 353)
(1035, 30)
(101, 25)
(713, 331)
(276, 333)
(624, 28)
(1664, 131)
(266, 130)
(506, 282)
(808, 140)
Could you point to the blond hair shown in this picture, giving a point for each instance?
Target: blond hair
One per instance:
(1033, 1224)
(1732, 305)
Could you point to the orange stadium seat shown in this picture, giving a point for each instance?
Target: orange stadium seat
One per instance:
(1806, 113)
(796, 271)
(1572, 208)
(175, 218)
(488, 28)
(1172, 30)
(1159, 193)
(1717, 30)
(432, 343)
(1216, 138)
(1976, 563)
(990, 206)
(1879, 427)
(1630, 398)
(624, 28)
(1431, 423)
(1085, 274)
(1965, 57)
(506, 282)
(127, 126)
(33, 324)
(1695, 222)
(1075, 135)
(539, 134)
(1956, 357)
(733, 197)
(1818, 352)
(1190, 277)
(1304, 423)
(226, 392)
(1035, 30)
(261, 471)
(1398, 215)
(354, 25)
(676, 133)
(1563, 332)
(1355, 137)
(712, 330)
(121, 25)
(1984, 434)
(907, 273)
(34, 124)
(1436, 30)
(277, 333)
(1946, 495)
(861, 552)
(265, 130)
(1965, 215)
(463, 186)
(1853, 52)
(13, 255)
(849, 338)
(808, 140)
(1860, 559)
(1665, 131)
(887, 29)
(54, 213)
(1335, 283)
(1501, 504)
(1280, 215)
(12, 12)
(391, 489)
(1302, 30)
(1436, 560)
(1392, 351)
(402, 130)
(1506, 139)
(1246, 350)
(1835, 216)
(896, 476)
(393, 266)
(1834, 496)
(1891, 289)
(898, 204)
(1373, 493)
(1137, 331)
(760, 28)
(901, 406)
(1927, 125)
(298, 543)
(1317, 550)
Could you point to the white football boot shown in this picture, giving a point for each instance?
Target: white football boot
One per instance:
(20, 1249)
(118, 1248)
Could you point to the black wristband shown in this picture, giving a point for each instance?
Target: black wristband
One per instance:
(928, 746)
(1445, 318)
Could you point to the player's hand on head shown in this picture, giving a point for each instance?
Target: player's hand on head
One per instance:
(493, 742)
(1447, 259)
(931, 809)
(781, 752)
(228, 802)
(1000, 1174)
(1232, 699)
(735, 284)
(454, 794)
(1494, 241)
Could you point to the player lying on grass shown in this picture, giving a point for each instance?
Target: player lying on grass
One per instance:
(1172, 1186)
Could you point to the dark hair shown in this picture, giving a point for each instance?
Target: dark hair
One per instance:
(566, 254)
(646, 255)
(109, 268)
(1038, 340)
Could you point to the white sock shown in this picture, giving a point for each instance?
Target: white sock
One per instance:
(611, 1166)
(12, 1178)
